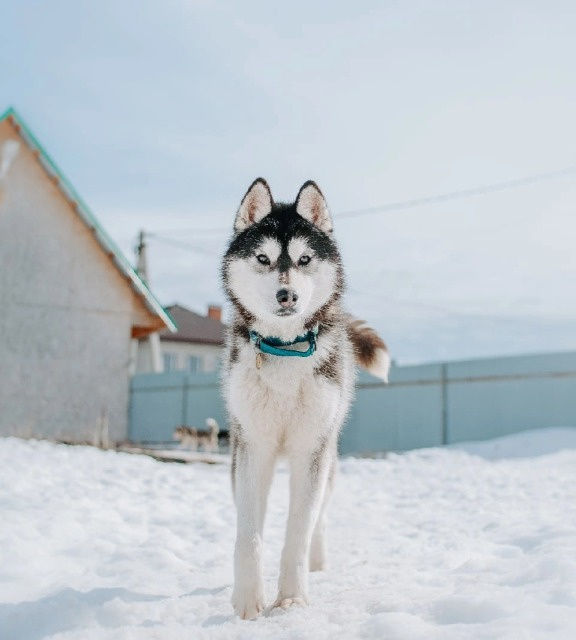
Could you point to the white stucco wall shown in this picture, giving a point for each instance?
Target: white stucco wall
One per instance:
(208, 353)
(66, 314)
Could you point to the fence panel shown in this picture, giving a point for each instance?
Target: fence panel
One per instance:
(203, 400)
(160, 402)
(423, 406)
(496, 397)
(156, 402)
(405, 414)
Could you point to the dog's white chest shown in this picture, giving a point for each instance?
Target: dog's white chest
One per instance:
(280, 397)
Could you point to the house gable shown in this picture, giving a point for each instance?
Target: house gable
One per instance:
(44, 183)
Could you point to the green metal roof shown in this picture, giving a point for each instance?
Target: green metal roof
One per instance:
(89, 218)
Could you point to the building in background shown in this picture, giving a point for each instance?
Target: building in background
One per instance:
(71, 304)
(196, 347)
(147, 356)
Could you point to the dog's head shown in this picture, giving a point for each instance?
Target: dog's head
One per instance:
(179, 434)
(282, 262)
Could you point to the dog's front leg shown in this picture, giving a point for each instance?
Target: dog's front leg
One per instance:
(318, 544)
(253, 474)
(308, 478)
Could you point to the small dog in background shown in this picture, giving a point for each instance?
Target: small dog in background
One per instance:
(194, 439)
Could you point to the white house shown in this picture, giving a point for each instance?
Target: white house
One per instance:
(196, 346)
(71, 305)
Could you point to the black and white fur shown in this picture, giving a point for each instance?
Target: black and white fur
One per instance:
(193, 438)
(283, 275)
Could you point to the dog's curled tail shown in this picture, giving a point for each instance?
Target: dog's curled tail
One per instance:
(213, 425)
(371, 351)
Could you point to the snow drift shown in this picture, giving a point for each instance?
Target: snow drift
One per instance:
(435, 544)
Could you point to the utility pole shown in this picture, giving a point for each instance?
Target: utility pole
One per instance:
(152, 341)
(142, 258)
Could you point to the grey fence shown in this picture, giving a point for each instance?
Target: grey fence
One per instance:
(424, 405)
(160, 402)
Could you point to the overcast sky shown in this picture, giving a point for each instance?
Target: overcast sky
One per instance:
(162, 113)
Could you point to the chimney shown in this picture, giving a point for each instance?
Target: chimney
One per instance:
(215, 312)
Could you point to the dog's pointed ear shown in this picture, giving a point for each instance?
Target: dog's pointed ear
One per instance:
(255, 205)
(312, 206)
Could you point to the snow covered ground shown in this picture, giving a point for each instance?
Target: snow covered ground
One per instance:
(458, 543)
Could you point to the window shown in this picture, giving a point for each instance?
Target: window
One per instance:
(195, 364)
(170, 361)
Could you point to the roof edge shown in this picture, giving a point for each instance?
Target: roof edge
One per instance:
(106, 242)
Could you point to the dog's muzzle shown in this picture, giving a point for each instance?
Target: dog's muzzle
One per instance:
(287, 298)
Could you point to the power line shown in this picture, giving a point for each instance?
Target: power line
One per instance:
(456, 195)
(183, 245)
(212, 231)
(447, 308)
(428, 200)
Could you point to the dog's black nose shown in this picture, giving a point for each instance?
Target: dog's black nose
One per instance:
(287, 298)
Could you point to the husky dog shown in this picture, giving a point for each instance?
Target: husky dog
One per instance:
(187, 437)
(192, 438)
(288, 380)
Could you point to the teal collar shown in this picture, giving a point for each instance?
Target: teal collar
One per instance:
(273, 346)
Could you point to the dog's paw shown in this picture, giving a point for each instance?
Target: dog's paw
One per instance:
(286, 603)
(247, 606)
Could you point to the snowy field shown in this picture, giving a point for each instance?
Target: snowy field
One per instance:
(466, 542)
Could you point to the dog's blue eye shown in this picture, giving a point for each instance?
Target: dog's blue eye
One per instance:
(262, 259)
(304, 260)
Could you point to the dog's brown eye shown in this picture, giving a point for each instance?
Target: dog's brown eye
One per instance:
(304, 260)
(262, 259)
